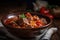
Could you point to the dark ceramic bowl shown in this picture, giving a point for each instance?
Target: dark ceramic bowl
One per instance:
(26, 32)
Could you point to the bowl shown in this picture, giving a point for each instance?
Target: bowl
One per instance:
(26, 33)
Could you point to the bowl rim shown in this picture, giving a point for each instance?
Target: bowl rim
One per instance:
(30, 28)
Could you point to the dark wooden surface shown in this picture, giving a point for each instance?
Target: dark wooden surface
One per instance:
(5, 10)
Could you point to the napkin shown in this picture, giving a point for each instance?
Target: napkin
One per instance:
(46, 35)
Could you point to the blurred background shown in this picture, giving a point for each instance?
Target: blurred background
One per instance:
(20, 2)
(25, 4)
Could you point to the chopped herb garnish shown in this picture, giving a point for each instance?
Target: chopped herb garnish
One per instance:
(22, 16)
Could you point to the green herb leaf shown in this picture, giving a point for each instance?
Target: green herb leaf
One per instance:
(22, 16)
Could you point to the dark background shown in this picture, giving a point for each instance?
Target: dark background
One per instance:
(21, 2)
(14, 2)
(27, 3)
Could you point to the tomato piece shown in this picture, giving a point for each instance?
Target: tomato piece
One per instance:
(28, 14)
(40, 23)
(7, 21)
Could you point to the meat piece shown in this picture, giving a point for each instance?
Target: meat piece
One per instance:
(20, 22)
